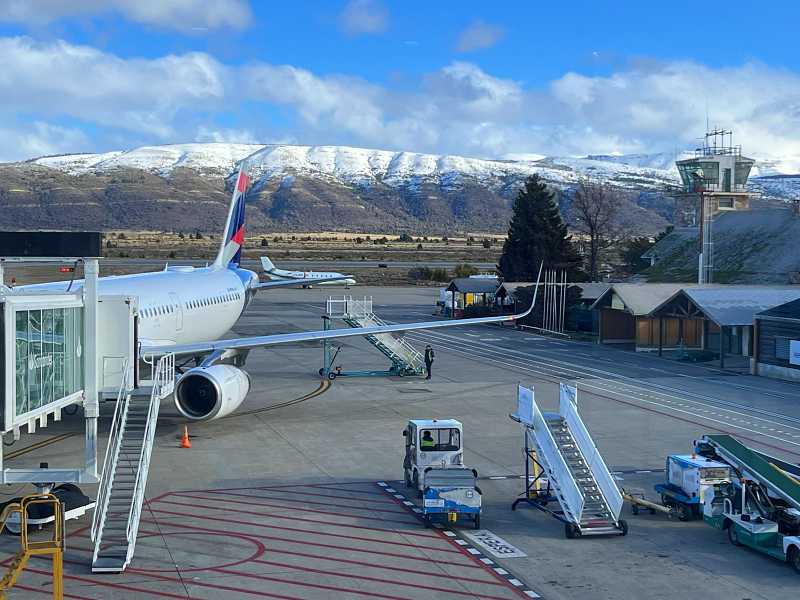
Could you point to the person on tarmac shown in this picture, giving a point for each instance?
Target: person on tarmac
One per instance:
(429, 356)
(427, 442)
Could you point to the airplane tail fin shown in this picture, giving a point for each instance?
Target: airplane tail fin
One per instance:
(230, 250)
(266, 263)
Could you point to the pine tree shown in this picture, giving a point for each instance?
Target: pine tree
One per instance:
(537, 233)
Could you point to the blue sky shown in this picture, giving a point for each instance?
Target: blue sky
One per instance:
(474, 78)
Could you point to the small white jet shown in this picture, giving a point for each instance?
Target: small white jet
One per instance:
(185, 310)
(324, 277)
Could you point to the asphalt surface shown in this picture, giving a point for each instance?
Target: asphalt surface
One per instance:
(282, 499)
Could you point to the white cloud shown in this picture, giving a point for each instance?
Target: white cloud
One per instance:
(183, 15)
(39, 139)
(364, 16)
(225, 135)
(458, 109)
(61, 79)
(479, 36)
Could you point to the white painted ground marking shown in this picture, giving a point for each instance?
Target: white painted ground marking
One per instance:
(449, 534)
(461, 542)
(487, 561)
(515, 582)
(417, 510)
(391, 490)
(500, 571)
(472, 551)
(531, 594)
(407, 503)
(498, 477)
(382, 483)
(496, 545)
(399, 496)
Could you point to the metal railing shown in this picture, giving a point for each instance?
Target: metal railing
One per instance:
(110, 460)
(591, 455)
(399, 346)
(347, 306)
(558, 470)
(163, 386)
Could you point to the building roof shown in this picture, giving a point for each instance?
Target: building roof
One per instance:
(788, 310)
(469, 285)
(756, 246)
(639, 298)
(732, 305)
(592, 291)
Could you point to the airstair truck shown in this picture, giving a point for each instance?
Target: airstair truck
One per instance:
(763, 510)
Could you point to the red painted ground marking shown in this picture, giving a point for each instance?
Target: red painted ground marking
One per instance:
(304, 520)
(306, 531)
(227, 588)
(387, 501)
(327, 486)
(318, 586)
(275, 487)
(461, 550)
(362, 563)
(303, 501)
(118, 586)
(425, 559)
(376, 579)
(17, 586)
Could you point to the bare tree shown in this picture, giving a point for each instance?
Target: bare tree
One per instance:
(594, 214)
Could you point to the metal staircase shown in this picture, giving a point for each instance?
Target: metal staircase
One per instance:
(125, 469)
(596, 515)
(576, 475)
(405, 359)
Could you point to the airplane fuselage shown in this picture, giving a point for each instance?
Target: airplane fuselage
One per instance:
(180, 305)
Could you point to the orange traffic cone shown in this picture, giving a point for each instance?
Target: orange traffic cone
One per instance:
(185, 443)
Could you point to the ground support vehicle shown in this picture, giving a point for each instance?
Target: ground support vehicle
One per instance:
(762, 509)
(431, 443)
(451, 495)
(559, 449)
(689, 479)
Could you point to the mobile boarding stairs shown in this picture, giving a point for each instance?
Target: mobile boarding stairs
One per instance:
(125, 468)
(357, 312)
(561, 452)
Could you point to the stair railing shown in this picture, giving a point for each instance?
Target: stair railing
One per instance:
(110, 461)
(163, 386)
(600, 472)
(557, 467)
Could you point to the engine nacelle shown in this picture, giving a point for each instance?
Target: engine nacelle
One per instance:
(206, 393)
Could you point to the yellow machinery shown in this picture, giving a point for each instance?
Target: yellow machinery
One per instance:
(54, 546)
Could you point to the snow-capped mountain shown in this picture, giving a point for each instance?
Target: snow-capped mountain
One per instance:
(353, 166)
(327, 187)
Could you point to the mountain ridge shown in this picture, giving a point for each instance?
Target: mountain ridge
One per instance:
(299, 188)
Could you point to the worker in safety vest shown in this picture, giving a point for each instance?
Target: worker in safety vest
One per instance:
(427, 442)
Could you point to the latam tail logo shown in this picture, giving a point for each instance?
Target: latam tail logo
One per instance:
(231, 251)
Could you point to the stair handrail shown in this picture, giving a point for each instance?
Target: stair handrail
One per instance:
(600, 471)
(163, 385)
(556, 465)
(110, 461)
(398, 345)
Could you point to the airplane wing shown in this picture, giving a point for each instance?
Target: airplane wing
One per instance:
(290, 282)
(250, 343)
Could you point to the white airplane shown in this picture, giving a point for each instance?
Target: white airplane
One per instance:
(325, 277)
(185, 310)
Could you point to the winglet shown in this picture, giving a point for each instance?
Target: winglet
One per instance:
(535, 293)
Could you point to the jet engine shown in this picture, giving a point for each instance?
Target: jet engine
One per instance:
(206, 393)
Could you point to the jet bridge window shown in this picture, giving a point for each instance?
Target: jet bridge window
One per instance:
(445, 440)
(49, 344)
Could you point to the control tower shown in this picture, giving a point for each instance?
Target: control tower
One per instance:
(717, 178)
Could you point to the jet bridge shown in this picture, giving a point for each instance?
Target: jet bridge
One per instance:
(53, 359)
